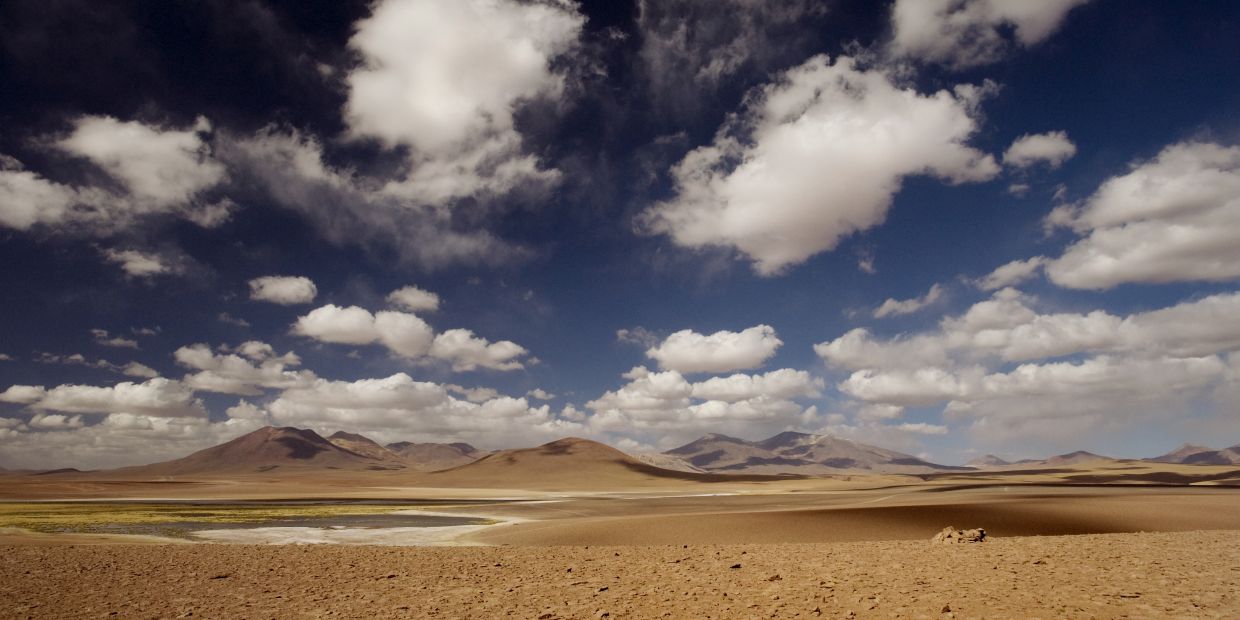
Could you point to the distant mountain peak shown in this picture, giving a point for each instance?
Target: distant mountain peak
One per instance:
(793, 452)
(722, 437)
(351, 437)
(987, 460)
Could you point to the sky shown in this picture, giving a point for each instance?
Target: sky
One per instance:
(946, 227)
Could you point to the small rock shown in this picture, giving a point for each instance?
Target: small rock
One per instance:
(774, 578)
(736, 566)
(946, 609)
(952, 535)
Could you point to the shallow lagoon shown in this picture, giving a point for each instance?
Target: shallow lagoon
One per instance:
(298, 521)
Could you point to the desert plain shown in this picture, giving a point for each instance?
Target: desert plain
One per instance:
(577, 530)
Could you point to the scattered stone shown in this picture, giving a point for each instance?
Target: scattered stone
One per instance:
(774, 578)
(951, 535)
(946, 609)
(736, 566)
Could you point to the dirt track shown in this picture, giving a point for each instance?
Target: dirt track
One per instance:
(1187, 574)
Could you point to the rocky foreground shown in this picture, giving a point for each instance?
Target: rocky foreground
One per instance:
(1185, 574)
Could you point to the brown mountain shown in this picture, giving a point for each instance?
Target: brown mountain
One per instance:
(1190, 454)
(1179, 454)
(569, 463)
(365, 446)
(435, 456)
(798, 453)
(1226, 456)
(987, 461)
(264, 450)
(1073, 458)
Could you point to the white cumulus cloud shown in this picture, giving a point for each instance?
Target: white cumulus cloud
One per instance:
(253, 368)
(414, 299)
(687, 351)
(455, 112)
(969, 33)
(1052, 148)
(814, 156)
(283, 290)
(403, 333)
(1175, 218)
(1011, 274)
(465, 351)
(155, 397)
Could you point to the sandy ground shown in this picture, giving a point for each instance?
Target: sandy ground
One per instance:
(804, 548)
(864, 515)
(1186, 574)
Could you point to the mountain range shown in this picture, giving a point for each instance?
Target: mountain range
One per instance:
(709, 458)
(1187, 454)
(286, 448)
(797, 453)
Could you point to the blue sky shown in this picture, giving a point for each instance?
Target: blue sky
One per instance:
(638, 222)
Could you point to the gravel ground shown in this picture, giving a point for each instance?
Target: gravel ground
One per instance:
(1181, 574)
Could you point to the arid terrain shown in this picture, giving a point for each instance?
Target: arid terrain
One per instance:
(576, 529)
(1189, 575)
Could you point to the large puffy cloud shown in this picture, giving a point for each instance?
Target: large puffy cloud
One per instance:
(408, 336)
(253, 367)
(160, 168)
(687, 351)
(784, 383)
(27, 199)
(1058, 398)
(814, 156)
(400, 408)
(969, 33)
(23, 394)
(155, 170)
(666, 405)
(1175, 218)
(468, 352)
(1006, 329)
(444, 77)
(1084, 370)
(283, 290)
(403, 333)
(1052, 148)
(156, 397)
